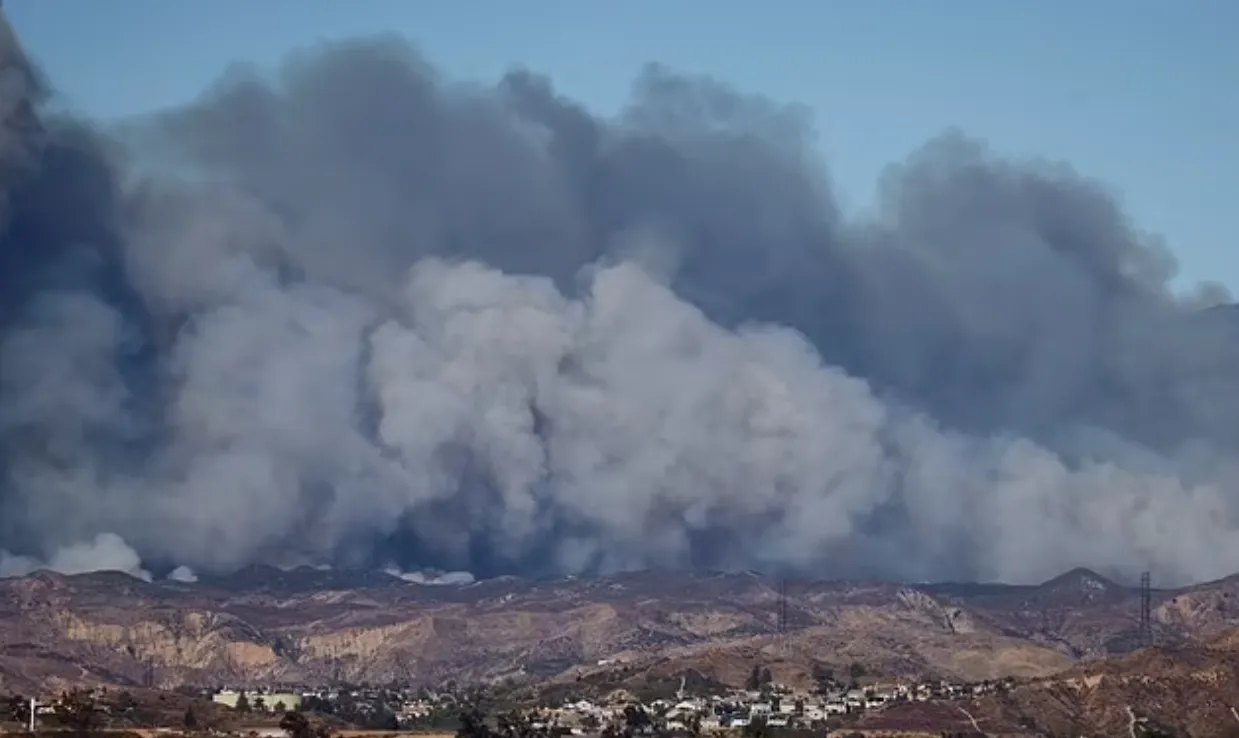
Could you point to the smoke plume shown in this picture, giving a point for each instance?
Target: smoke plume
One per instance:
(356, 313)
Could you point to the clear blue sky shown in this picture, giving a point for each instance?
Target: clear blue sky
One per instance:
(1141, 93)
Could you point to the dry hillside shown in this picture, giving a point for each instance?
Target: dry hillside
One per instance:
(306, 625)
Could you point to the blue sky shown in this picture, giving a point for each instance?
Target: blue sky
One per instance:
(1139, 93)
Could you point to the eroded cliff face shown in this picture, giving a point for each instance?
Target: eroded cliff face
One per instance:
(367, 644)
(400, 642)
(111, 628)
(1204, 611)
(181, 640)
(169, 648)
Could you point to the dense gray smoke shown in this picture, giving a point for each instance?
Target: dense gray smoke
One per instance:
(357, 314)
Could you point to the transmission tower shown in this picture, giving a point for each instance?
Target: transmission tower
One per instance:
(1146, 609)
(782, 606)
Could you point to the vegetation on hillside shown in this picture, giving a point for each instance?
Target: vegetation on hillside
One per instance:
(85, 712)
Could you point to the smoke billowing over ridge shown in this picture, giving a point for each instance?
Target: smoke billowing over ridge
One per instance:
(363, 315)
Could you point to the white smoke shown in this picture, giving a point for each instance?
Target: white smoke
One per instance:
(659, 424)
(107, 552)
(433, 578)
(183, 574)
(652, 425)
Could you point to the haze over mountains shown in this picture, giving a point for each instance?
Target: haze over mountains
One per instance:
(355, 312)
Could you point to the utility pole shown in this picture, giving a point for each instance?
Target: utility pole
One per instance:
(34, 707)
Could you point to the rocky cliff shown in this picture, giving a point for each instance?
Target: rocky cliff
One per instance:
(267, 625)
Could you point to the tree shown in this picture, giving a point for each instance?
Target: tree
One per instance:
(765, 679)
(314, 703)
(515, 725)
(754, 680)
(17, 709)
(386, 720)
(856, 670)
(473, 725)
(280, 707)
(77, 711)
(296, 725)
(260, 703)
(757, 727)
(243, 703)
(636, 718)
(125, 703)
(823, 677)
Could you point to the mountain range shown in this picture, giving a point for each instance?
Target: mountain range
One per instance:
(264, 625)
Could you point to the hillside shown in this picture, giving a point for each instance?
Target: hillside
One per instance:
(1190, 689)
(308, 625)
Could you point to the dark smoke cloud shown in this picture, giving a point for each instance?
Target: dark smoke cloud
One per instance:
(362, 315)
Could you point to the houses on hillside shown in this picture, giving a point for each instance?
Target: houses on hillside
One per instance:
(775, 707)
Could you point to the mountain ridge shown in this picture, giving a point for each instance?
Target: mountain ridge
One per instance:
(321, 625)
(320, 576)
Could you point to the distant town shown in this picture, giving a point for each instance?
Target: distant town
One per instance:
(763, 707)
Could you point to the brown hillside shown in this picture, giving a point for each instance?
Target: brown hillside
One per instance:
(1188, 688)
(267, 625)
